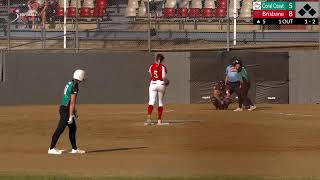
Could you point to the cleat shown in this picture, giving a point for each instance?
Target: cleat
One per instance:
(238, 109)
(252, 108)
(77, 151)
(148, 123)
(54, 151)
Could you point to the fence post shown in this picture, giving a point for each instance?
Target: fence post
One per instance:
(77, 26)
(8, 25)
(3, 66)
(228, 26)
(45, 38)
(42, 37)
(149, 25)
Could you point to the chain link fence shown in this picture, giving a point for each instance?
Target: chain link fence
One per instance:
(155, 25)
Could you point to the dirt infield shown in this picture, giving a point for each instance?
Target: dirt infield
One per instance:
(278, 140)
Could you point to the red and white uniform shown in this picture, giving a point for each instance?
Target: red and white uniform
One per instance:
(157, 86)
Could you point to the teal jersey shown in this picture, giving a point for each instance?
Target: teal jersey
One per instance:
(71, 88)
(244, 74)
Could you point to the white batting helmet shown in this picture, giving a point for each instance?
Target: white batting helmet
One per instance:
(79, 74)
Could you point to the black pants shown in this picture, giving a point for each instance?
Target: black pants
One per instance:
(244, 94)
(234, 87)
(63, 123)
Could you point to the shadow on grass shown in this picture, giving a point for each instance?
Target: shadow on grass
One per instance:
(115, 149)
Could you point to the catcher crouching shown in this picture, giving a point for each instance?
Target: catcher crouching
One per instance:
(219, 97)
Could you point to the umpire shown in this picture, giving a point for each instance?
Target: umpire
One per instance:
(68, 114)
(233, 82)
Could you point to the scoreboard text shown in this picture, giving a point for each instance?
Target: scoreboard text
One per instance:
(304, 13)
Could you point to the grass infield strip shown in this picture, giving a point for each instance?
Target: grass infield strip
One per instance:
(51, 177)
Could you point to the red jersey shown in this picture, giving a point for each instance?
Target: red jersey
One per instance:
(157, 72)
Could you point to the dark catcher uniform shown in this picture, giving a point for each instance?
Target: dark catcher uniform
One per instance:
(70, 89)
(218, 98)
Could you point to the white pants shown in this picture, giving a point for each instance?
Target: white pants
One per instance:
(156, 88)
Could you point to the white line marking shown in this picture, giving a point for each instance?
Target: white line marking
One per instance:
(288, 114)
(120, 113)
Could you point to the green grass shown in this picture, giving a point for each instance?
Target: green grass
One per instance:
(51, 177)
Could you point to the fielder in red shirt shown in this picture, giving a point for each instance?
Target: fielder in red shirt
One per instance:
(157, 87)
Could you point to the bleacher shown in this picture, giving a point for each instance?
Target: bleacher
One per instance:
(190, 8)
(200, 15)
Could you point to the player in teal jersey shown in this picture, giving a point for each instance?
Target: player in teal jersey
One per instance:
(68, 114)
(244, 88)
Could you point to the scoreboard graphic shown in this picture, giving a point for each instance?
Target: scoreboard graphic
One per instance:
(286, 13)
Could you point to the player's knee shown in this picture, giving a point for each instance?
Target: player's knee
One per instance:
(58, 131)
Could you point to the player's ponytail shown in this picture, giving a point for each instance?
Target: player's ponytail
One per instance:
(159, 58)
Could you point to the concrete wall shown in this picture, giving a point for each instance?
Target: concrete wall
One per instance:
(39, 78)
(113, 77)
(304, 77)
(117, 77)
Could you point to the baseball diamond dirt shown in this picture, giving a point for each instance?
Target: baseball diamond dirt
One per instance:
(275, 140)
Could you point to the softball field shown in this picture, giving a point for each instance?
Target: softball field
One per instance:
(275, 141)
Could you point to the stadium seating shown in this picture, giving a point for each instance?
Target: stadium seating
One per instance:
(221, 9)
(169, 10)
(221, 4)
(72, 9)
(142, 12)
(99, 9)
(246, 10)
(209, 6)
(231, 9)
(182, 12)
(87, 9)
(195, 10)
(183, 8)
(60, 8)
(102, 4)
(131, 10)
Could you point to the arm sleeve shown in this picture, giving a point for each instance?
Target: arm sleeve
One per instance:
(227, 70)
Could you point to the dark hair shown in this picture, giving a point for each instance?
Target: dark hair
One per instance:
(160, 58)
(236, 61)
